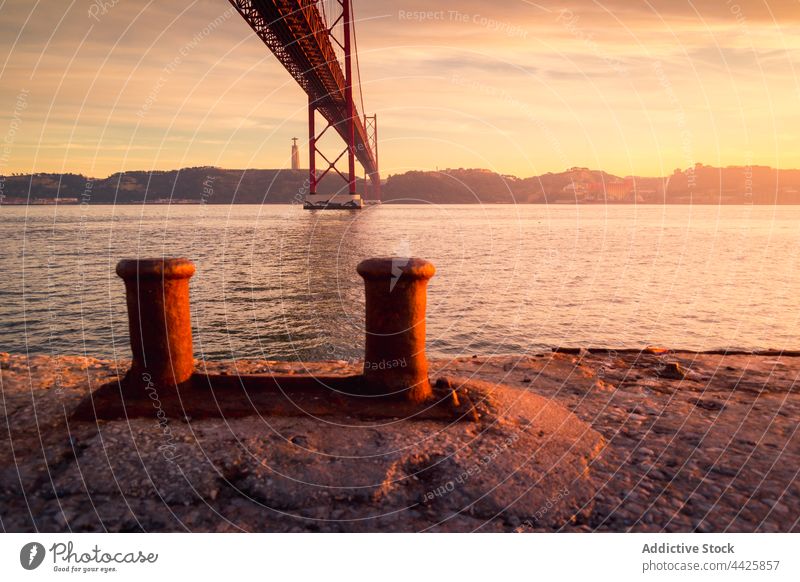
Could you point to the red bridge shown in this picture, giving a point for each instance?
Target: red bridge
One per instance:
(302, 34)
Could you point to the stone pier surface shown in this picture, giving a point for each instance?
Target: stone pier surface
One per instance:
(568, 440)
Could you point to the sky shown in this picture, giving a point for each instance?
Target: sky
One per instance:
(514, 86)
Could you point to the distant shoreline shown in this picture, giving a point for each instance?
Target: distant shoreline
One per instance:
(700, 184)
(389, 203)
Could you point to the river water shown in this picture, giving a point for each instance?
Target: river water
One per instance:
(278, 282)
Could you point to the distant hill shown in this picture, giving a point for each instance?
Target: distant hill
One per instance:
(464, 186)
(204, 184)
(700, 185)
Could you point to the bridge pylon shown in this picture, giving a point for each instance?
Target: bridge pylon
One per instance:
(303, 40)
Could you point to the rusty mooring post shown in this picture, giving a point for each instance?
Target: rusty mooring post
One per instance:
(396, 296)
(157, 293)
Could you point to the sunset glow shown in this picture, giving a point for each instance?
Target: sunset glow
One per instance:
(520, 88)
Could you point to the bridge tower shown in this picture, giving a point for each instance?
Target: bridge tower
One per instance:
(372, 183)
(303, 37)
(350, 197)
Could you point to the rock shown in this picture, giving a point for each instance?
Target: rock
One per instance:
(707, 404)
(656, 350)
(671, 371)
(571, 351)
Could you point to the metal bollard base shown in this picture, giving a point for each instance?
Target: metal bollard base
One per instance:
(219, 396)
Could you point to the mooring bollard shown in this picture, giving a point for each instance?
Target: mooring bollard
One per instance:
(396, 296)
(157, 292)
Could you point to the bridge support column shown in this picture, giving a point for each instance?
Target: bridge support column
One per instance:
(396, 298)
(157, 293)
(374, 183)
(348, 96)
(312, 147)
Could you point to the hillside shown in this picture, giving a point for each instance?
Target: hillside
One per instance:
(700, 185)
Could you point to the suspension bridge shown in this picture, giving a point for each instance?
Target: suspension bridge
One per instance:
(315, 41)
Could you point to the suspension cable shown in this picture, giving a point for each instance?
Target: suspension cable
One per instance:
(358, 66)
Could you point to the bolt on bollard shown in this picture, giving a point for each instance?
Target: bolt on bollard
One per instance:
(157, 293)
(396, 297)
